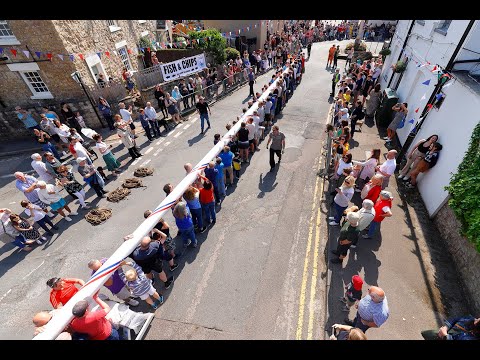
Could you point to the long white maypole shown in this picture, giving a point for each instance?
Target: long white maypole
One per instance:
(63, 317)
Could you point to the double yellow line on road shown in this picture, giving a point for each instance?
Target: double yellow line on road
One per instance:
(314, 273)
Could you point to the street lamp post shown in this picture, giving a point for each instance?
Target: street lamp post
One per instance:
(76, 76)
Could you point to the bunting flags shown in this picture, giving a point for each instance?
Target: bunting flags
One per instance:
(80, 56)
(115, 53)
(14, 52)
(98, 54)
(424, 95)
(107, 54)
(26, 53)
(1, 50)
(411, 121)
(39, 54)
(60, 56)
(417, 110)
(426, 82)
(49, 56)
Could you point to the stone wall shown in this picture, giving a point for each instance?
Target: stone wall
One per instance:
(37, 35)
(91, 36)
(12, 128)
(465, 256)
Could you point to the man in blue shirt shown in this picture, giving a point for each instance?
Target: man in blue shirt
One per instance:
(227, 156)
(26, 118)
(220, 177)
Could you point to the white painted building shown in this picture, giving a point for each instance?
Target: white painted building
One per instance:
(433, 43)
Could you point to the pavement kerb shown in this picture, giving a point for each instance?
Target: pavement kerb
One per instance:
(327, 243)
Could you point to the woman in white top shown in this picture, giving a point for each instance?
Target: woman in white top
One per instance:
(49, 195)
(344, 163)
(38, 215)
(341, 200)
(112, 163)
(62, 130)
(368, 168)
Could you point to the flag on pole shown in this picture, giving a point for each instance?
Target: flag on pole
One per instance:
(426, 82)
(26, 53)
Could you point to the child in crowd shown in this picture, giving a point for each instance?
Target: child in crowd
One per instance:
(216, 139)
(353, 293)
(80, 120)
(140, 285)
(237, 165)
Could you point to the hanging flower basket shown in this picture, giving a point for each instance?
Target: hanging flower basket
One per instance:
(399, 67)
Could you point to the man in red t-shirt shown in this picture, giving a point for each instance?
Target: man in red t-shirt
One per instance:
(62, 290)
(94, 324)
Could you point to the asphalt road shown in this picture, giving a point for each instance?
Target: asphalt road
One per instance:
(257, 274)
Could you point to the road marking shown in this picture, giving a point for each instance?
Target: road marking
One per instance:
(178, 134)
(167, 143)
(146, 162)
(156, 152)
(8, 292)
(171, 132)
(135, 162)
(159, 142)
(149, 150)
(13, 202)
(193, 120)
(313, 284)
(31, 272)
(186, 126)
(179, 126)
(301, 305)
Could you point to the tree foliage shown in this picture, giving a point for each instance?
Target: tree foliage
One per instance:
(214, 44)
(464, 190)
(231, 53)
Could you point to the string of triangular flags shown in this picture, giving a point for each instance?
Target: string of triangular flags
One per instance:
(15, 51)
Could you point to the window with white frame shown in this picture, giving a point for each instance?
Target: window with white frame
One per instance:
(125, 58)
(6, 34)
(113, 25)
(30, 73)
(35, 83)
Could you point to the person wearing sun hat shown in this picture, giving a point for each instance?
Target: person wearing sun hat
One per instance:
(353, 293)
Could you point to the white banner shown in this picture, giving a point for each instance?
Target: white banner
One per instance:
(95, 283)
(182, 67)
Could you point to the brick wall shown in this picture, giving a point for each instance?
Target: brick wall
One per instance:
(465, 256)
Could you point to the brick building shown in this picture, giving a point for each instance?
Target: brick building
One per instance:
(36, 64)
